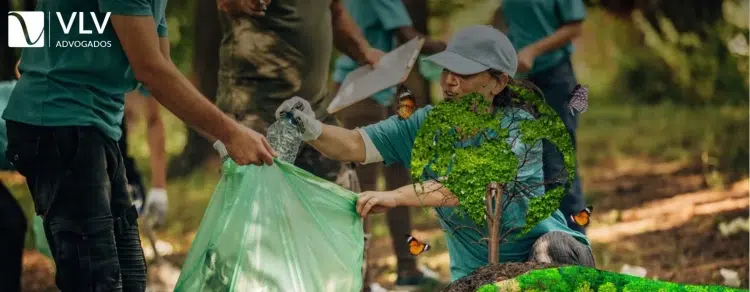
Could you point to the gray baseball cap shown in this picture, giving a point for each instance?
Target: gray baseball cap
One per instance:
(478, 48)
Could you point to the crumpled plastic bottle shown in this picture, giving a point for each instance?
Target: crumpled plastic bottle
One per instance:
(285, 138)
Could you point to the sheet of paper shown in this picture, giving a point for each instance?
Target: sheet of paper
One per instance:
(392, 69)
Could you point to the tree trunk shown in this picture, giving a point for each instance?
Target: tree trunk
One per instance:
(205, 77)
(493, 204)
(419, 86)
(8, 59)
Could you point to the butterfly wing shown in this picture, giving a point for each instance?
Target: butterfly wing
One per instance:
(583, 217)
(579, 100)
(416, 247)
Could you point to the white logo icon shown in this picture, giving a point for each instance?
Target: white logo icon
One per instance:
(26, 29)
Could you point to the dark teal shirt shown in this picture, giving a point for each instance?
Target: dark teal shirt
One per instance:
(394, 139)
(79, 86)
(532, 20)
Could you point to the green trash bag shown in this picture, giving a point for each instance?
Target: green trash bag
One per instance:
(276, 228)
(40, 239)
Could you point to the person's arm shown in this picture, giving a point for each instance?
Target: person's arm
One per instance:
(428, 194)
(137, 35)
(571, 13)
(348, 38)
(562, 36)
(340, 144)
(164, 80)
(430, 46)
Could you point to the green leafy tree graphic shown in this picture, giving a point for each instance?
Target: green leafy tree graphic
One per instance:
(483, 175)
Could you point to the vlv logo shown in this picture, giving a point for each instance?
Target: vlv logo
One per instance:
(26, 29)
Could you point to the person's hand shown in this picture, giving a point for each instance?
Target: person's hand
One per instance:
(376, 202)
(372, 56)
(526, 60)
(252, 7)
(246, 146)
(303, 115)
(156, 206)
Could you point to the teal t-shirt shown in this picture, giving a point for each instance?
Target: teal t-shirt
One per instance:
(394, 139)
(532, 20)
(79, 86)
(377, 19)
(6, 88)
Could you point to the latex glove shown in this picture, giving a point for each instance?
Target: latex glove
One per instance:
(303, 116)
(156, 206)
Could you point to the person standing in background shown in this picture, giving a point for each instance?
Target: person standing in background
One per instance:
(384, 23)
(155, 203)
(542, 33)
(284, 51)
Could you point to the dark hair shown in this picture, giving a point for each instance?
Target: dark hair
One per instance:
(509, 97)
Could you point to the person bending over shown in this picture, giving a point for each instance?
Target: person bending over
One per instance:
(478, 59)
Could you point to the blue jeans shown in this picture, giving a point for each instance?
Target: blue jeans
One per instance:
(76, 177)
(557, 84)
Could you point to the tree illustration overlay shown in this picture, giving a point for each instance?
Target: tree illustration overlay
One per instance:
(492, 160)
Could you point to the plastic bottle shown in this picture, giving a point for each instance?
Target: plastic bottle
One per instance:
(285, 138)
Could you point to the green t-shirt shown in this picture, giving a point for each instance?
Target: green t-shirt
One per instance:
(394, 139)
(532, 20)
(79, 86)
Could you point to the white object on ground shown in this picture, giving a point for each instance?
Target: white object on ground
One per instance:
(633, 270)
(731, 278)
(734, 226)
(162, 277)
(162, 247)
(375, 287)
(427, 272)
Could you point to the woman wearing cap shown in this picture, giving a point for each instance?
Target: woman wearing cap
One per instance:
(478, 59)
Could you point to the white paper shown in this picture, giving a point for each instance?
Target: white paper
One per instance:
(392, 69)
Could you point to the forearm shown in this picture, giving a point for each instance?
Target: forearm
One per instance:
(340, 144)
(560, 38)
(180, 97)
(347, 37)
(428, 194)
(405, 34)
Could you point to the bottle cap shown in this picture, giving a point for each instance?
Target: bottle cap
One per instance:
(219, 146)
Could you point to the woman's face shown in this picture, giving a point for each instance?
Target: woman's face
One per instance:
(455, 85)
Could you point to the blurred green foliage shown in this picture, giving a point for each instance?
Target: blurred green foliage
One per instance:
(660, 62)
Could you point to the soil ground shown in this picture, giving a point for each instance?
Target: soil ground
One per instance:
(491, 274)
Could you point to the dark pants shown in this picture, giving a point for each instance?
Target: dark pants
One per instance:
(131, 170)
(76, 177)
(557, 84)
(13, 228)
(369, 112)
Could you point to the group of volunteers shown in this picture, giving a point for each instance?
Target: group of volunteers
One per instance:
(65, 127)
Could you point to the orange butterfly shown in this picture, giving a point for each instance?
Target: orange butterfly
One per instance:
(583, 217)
(406, 102)
(416, 247)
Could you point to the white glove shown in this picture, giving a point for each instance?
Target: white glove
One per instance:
(303, 116)
(156, 206)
